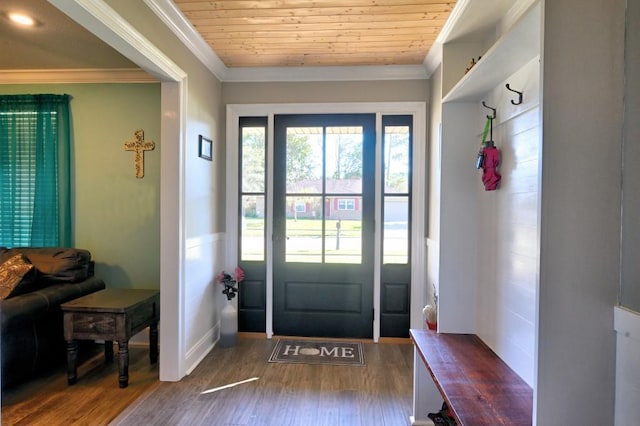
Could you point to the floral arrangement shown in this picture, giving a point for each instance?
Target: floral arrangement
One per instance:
(229, 282)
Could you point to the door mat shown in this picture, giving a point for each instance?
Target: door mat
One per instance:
(317, 352)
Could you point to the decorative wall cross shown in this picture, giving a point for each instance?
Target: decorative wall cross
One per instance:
(139, 146)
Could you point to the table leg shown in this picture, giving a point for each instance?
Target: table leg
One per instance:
(123, 363)
(153, 342)
(108, 351)
(72, 362)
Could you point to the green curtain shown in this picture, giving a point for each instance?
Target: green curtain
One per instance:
(35, 207)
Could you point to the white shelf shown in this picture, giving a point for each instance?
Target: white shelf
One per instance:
(510, 52)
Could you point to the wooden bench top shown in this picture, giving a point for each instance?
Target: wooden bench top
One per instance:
(479, 388)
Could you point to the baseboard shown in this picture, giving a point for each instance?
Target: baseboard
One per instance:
(201, 348)
(383, 340)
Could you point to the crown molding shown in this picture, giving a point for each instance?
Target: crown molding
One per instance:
(58, 76)
(349, 73)
(173, 18)
(433, 59)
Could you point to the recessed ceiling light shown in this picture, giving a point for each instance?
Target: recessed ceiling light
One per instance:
(22, 19)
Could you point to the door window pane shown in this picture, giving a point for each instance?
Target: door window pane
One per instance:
(396, 230)
(252, 228)
(343, 230)
(304, 160)
(344, 147)
(396, 159)
(304, 229)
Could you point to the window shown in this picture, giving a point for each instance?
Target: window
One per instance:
(253, 133)
(346, 204)
(396, 189)
(34, 170)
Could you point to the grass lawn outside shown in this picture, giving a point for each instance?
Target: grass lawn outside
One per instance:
(304, 242)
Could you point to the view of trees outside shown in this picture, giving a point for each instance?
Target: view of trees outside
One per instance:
(396, 159)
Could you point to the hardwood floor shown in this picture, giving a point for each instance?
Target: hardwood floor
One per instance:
(95, 399)
(282, 394)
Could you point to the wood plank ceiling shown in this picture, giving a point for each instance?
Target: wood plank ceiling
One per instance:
(290, 33)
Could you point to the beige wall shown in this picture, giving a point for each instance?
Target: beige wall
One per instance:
(580, 210)
(628, 321)
(116, 216)
(319, 92)
(630, 290)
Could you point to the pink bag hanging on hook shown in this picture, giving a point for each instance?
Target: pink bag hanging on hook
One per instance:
(490, 175)
(489, 159)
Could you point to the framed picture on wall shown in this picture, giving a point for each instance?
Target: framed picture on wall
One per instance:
(205, 148)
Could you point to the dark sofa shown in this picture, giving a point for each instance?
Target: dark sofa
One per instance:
(32, 331)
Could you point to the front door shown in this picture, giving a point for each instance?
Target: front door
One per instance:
(323, 225)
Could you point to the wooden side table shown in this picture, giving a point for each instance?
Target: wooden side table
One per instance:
(111, 314)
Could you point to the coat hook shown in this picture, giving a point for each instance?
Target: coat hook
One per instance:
(492, 109)
(519, 96)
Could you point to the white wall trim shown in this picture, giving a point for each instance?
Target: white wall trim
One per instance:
(269, 230)
(419, 112)
(377, 243)
(433, 58)
(207, 239)
(62, 76)
(419, 281)
(172, 231)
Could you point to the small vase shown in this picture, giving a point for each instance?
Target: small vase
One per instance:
(228, 325)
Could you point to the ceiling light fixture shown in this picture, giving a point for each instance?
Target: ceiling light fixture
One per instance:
(22, 19)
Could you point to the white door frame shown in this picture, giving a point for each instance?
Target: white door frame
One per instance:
(99, 18)
(418, 222)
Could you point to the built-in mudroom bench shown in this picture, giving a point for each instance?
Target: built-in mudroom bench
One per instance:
(532, 266)
(478, 387)
(483, 245)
